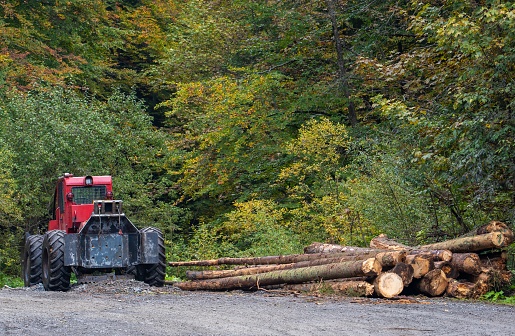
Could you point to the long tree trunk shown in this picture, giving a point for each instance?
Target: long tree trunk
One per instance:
(282, 259)
(342, 73)
(383, 242)
(216, 274)
(347, 269)
(469, 244)
(347, 288)
(315, 248)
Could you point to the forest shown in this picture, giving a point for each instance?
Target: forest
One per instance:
(252, 128)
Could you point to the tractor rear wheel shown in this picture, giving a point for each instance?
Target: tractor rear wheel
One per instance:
(32, 260)
(56, 276)
(154, 274)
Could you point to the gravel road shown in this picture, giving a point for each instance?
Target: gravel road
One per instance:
(132, 308)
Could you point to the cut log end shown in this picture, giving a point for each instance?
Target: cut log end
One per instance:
(371, 267)
(433, 283)
(388, 285)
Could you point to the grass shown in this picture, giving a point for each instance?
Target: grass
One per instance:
(11, 281)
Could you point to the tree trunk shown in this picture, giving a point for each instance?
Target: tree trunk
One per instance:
(436, 255)
(405, 271)
(496, 226)
(388, 285)
(282, 259)
(433, 283)
(342, 73)
(467, 262)
(469, 244)
(347, 288)
(391, 258)
(315, 248)
(461, 290)
(383, 242)
(422, 264)
(216, 274)
(451, 272)
(315, 273)
(497, 261)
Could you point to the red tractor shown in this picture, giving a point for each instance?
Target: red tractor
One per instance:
(89, 233)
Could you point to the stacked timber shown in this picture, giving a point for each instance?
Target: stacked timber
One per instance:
(464, 267)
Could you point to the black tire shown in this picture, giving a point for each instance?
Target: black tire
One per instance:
(32, 260)
(154, 274)
(55, 276)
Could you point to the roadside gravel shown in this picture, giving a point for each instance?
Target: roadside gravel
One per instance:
(129, 307)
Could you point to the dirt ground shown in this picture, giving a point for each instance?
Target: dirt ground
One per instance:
(128, 307)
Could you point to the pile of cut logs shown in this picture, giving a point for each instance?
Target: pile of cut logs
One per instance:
(465, 267)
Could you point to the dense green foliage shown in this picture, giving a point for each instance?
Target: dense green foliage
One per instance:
(242, 128)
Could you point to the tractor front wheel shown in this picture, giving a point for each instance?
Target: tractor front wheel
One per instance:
(32, 260)
(56, 276)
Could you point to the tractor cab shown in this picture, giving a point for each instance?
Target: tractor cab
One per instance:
(73, 200)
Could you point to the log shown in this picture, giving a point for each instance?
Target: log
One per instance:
(467, 263)
(437, 255)
(492, 278)
(383, 242)
(434, 283)
(267, 260)
(461, 290)
(391, 258)
(388, 285)
(405, 271)
(496, 226)
(335, 248)
(450, 271)
(216, 274)
(347, 288)
(346, 269)
(422, 264)
(469, 244)
(497, 261)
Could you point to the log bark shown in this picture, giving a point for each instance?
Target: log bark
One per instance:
(437, 255)
(433, 283)
(347, 288)
(496, 226)
(268, 260)
(461, 290)
(391, 258)
(498, 261)
(422, 264)
(383, 242)
(217, 274)
(388, 285)
(451, 272)
(347, 269)
(335, 248)
(492, 278)
(467, 263)
(469, 244)
(405, 271)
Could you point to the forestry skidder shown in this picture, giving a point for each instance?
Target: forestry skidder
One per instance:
(89, 233)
